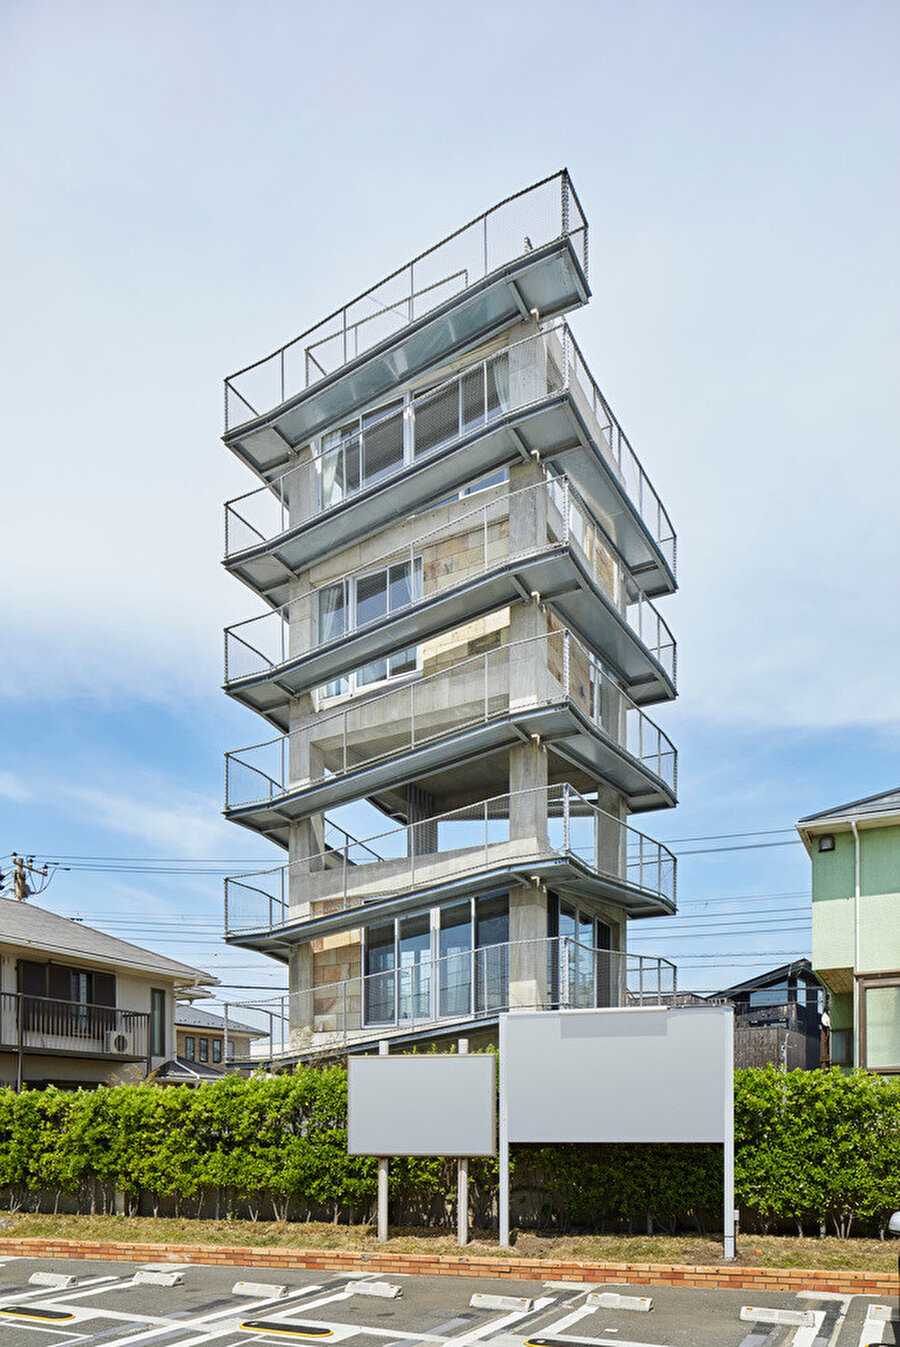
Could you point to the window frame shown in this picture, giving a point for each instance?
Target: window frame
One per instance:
(350, 585)
(867, 983)
(157, 1025)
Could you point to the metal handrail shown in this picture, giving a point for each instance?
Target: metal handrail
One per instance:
(565, 663)
(480, 983)
(569, 523)
(403, 296)
(412, 855)
(568, 371)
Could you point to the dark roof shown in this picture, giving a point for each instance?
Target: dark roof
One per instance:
(774, 976)
(34, 930)
(177, 1069)
(188, 1017)
(886, 802)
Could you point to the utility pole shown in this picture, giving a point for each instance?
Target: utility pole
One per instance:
(22, 868)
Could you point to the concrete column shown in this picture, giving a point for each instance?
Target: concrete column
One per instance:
(528, 960)
(301, 1008)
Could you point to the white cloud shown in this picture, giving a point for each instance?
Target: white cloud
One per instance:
(11, 788)
(180, 824)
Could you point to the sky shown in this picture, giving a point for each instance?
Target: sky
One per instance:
(187, 185)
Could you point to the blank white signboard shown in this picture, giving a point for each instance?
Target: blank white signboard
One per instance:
(618, 1075)
(436, 1105)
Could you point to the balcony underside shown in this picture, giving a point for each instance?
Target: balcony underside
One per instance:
(87, 1053)
(557, 575)
(563, 874)
(550, 280)
(552, 428)
(469, 765)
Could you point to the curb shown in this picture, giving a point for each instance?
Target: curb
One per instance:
(447, 1265)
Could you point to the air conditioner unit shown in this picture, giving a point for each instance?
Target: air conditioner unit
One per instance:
(119, 1042)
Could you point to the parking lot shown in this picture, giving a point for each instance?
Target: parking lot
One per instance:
(124, 1303)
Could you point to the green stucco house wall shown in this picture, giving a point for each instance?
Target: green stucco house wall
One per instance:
(855, 854)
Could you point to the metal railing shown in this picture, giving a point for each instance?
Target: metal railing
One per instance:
(556, 973)
(536, 216)
(518, 677)
(554, 823)
(38, 1023)
(384, 444)
(464, 547)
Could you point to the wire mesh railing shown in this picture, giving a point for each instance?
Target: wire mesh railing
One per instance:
(517, 677)
(478, 983)
(555, 824)
(536, 216)
(464, 547)
(384, 443)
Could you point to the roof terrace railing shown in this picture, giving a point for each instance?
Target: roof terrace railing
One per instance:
(363, 731)
(478, 539)
(446, 849)
(384, 444)
(536, 216)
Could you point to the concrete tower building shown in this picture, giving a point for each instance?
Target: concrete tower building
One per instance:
(459, 553)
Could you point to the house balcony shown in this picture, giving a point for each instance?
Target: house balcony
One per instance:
(468, 991)
(534, 398)
(451, 573)
(527, 254)
(39, 1025)
(574, 848)
(451, 731)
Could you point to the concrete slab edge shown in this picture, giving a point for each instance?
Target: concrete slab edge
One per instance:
(722, 1276)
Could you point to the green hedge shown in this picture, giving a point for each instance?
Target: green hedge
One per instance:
(816, 1150)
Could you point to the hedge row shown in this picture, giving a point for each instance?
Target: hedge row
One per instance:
(818, 1150)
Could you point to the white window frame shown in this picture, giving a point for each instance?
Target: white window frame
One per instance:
(350, 582)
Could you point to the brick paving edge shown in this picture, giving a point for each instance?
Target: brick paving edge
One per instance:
(724, 1276)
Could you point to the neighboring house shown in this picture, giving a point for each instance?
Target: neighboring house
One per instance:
(855, 853)
(79, 1007)
(200, 1038)
(459, 551)
(778, 1017)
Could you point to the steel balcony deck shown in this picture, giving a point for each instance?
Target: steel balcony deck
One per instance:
(459, 564)
(272, 535)
(450, 732)
(558, 574)
(584, 852)
(527, 254)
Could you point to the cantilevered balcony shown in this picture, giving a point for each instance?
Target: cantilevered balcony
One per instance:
(527, 254)
(471, 988)
(39, 1025)
(450, 732)
(534, 397)
(577, 849)
(461, 562)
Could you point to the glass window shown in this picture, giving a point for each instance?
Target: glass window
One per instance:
(157, 1022)
(217, 1049)
(582, 967)
(189, 1048)
(882, 1028)
(414, 967)
(379, 988)
(382, 441)
(204, 1049)
(492, 952)
(455, 947)
(339, 465)
(365, 601)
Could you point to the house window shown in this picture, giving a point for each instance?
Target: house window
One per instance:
(841, 1045)
(448, 961)
(204, 1049)
(359, 601)
(217, 1050)
(583, 968)
(879, 1037)
(157, 1022)
(189, 1048)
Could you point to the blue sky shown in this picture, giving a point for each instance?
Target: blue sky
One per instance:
(187, 185)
